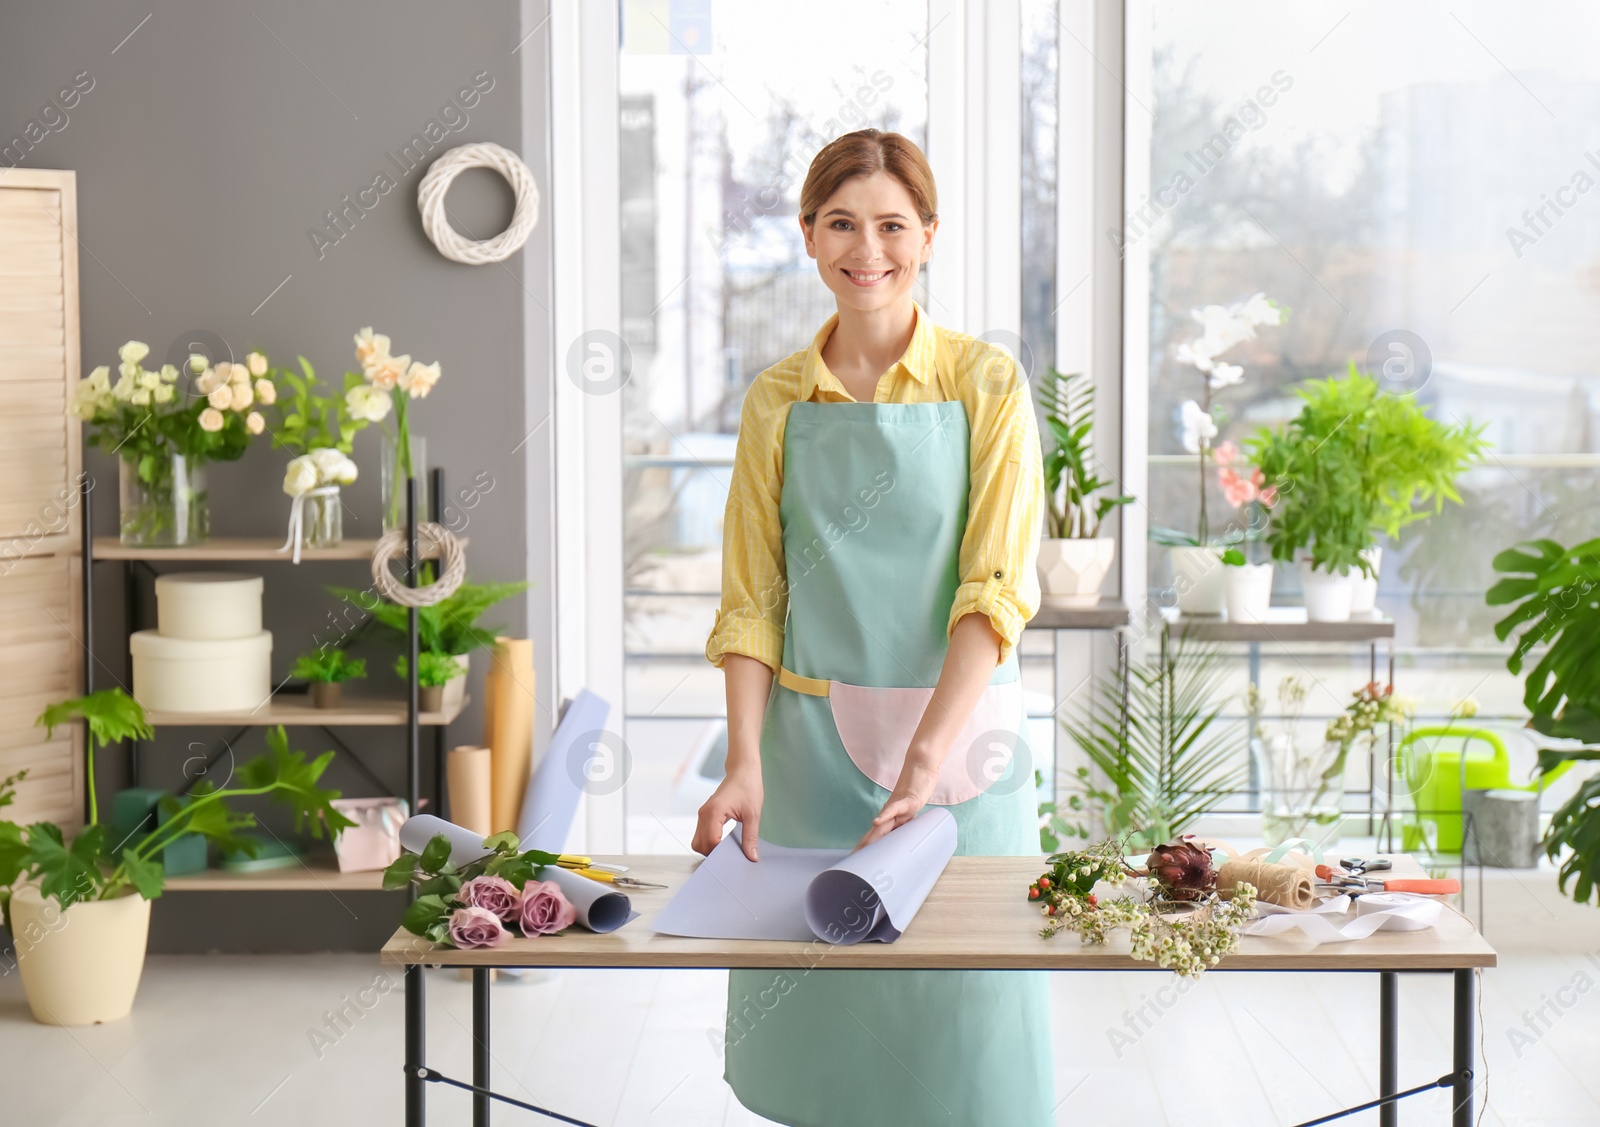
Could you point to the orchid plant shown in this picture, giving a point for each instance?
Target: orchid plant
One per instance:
(1223, 327)
(390, 381)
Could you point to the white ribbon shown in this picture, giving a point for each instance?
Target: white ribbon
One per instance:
(297, 517)
(1328, 921)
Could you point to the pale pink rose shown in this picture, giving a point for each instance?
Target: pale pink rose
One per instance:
(475, 927)
(544, 909)
(385, 371)
(266, 392)
(257, 364)
(221, 397)
(211, 419)
(254, 423)
(496, 894)
(243, 396)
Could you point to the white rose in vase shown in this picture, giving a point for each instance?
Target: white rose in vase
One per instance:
(300, 476)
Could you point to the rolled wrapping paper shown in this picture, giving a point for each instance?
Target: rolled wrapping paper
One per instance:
(467, 769)
(1288, 886)
(509, 723)
(601, 908)
(557, 782)
(1330, 922)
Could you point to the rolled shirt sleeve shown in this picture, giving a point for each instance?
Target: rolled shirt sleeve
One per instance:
(755, 591)
(1000, 549)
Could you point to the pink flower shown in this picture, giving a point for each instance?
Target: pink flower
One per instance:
(475, 927)
(544, 910)
(495, 894)
(1238, 490)
(1226, 454)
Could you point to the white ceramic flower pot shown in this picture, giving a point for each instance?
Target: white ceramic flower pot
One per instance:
(1248, 591)
(1072, 571)
(455, 689)
(1327, 593)
(1364, 591)
(1199, 575)
(80, 965)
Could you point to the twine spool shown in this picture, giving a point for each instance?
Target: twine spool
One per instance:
(1288, 886)
(442, 173)
(392, 545)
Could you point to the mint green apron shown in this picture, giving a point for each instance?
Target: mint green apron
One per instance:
(873, 509)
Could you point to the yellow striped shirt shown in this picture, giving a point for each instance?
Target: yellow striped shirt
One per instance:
(999, 551)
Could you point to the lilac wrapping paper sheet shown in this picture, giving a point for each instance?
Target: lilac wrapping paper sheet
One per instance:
(799, 895)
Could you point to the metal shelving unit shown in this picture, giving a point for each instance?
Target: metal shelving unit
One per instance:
(311, 875)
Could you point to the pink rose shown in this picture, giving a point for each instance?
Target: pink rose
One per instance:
(544, 910)
(495, 894)
(475, 927)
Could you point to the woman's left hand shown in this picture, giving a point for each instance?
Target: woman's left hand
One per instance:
(911, 793)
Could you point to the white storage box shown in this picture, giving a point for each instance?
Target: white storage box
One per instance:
(214, 675)
(208, 604)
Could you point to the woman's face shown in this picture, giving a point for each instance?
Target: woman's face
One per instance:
(869, 242)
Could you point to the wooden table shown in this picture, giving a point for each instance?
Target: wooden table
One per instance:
(977, 917)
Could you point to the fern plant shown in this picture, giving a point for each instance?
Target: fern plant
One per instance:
(448, 627)
(1169, 760)
(1073, 511)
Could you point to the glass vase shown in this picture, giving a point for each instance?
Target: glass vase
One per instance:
(162, 501)
(394, 481)
(322, 521)
(1302, 788)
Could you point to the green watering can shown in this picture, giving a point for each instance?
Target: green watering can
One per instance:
(1439, 763)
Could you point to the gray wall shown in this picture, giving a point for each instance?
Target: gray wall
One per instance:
(213, 141)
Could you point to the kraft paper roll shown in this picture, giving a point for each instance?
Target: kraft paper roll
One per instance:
(468, 771)
(510, 728)
(1288, 886)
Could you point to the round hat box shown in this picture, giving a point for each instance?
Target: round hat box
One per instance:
(208, 604)
(209, 675)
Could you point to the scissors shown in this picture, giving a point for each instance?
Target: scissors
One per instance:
(607, 877)
(576, 861)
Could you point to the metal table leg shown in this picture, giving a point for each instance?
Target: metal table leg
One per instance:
(1388, 1045)
(1462, 1061)
(480, 1046)
(416, 1040)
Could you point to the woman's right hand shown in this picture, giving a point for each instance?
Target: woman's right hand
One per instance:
(738, 798)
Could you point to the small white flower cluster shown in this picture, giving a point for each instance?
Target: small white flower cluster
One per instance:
(1221, 327)
(384, 374)
(322, 466)
(135, 386)
(230, 386)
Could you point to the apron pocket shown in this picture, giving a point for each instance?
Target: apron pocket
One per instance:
(876, 725)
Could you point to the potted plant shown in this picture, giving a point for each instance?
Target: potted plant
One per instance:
(163, 435)
(1165, 758)
(1344, 470)
(1196, 558)
(1554, 596)
(1247, 584)
(79, 910)
(327, 669)
(1074, 557)
(320, 430)
(434, 671)
(449, 627)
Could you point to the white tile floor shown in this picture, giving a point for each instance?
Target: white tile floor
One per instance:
(229, 1040)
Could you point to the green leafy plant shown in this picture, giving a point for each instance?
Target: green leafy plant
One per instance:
(328, 666)
(111, 715)
(1073, 511)
(92, 867)
(1576, 826)
(447, 627)
(433, 670)
(1357, 461)
(438, 880)
(1166, 760)
(1554, 593)
(310, 420)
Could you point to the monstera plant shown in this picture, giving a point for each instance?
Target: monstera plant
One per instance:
(1554, 593)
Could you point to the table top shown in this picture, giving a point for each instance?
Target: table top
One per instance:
(1282, 624)
(977, 917)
